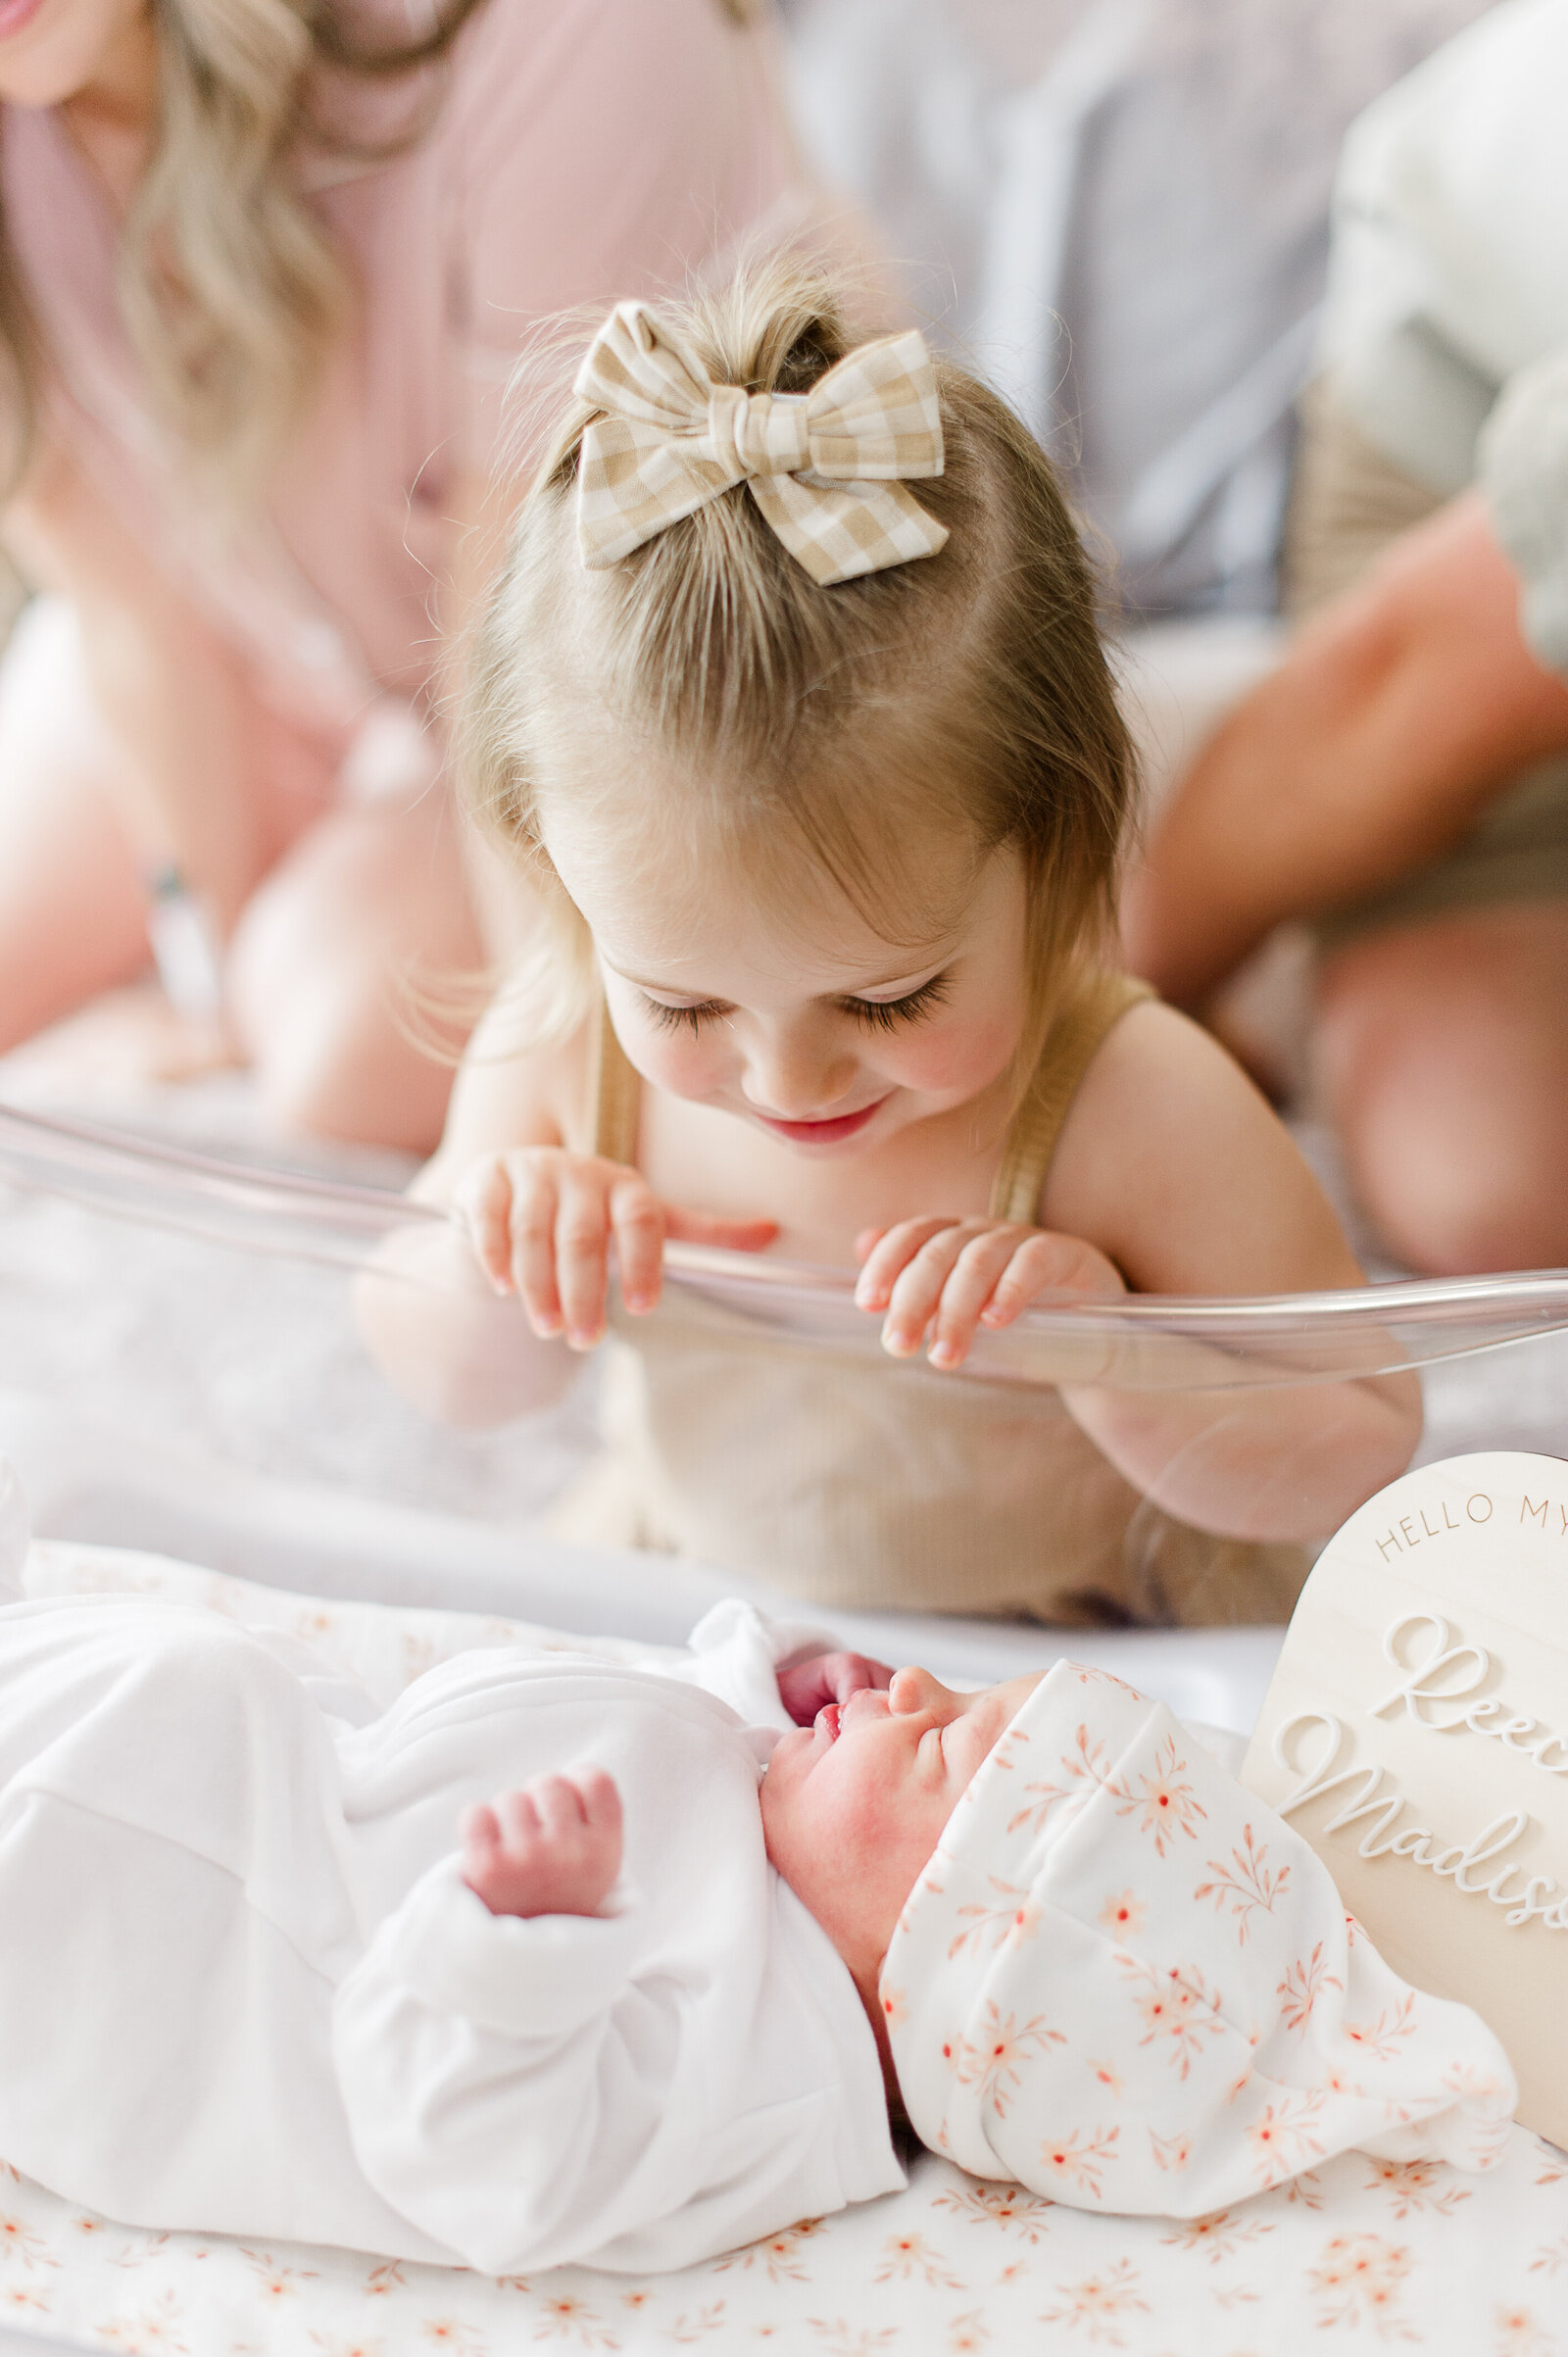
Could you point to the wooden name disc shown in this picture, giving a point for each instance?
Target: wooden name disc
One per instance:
(1416, 1733)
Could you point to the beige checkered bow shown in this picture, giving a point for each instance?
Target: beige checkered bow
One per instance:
(821, 465)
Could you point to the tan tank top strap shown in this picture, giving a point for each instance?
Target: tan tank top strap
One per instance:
(1071, 1044)
(614, 1095)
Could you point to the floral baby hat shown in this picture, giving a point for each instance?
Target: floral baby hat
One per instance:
(1123, 1982)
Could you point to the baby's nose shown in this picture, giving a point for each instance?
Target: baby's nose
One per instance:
(917, 1690)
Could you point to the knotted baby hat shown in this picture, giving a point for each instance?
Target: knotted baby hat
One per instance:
(1123, 1982)
(827, 467)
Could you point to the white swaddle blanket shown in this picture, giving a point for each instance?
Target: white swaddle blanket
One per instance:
(244, 1988)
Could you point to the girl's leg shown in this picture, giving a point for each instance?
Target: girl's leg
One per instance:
(1442, 1055)
(73, 907)
(364, 917)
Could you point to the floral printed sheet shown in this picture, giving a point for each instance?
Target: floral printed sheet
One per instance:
(1367, 2255)
(1364, 2254)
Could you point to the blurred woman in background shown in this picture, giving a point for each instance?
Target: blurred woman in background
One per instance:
(265, 270)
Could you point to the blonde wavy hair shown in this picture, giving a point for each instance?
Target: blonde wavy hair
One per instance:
(231, 288)
(814, 731)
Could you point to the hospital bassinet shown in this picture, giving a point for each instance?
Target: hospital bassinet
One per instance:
(180, 1376)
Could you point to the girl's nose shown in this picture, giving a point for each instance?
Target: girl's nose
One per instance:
(795, 1081)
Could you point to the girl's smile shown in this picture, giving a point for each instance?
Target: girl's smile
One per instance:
(807, 1024)
(834, 1130)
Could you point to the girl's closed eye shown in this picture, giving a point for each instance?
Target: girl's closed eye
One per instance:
(682, 1019)
(887, 1014)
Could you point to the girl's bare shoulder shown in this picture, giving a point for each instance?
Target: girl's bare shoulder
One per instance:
(1177, 1167)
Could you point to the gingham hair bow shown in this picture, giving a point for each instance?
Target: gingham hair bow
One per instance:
(824, 465)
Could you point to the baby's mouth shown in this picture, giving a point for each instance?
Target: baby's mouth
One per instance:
(828, 1718)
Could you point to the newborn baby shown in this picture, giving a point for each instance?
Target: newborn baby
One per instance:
(247, 1984)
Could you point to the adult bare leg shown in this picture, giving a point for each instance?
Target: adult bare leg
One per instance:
(332, 965)
(72, 901)
(1441, 1058)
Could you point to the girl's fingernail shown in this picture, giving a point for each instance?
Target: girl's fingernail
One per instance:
(583, 1338)
(900, 1343)
(944, 1355)
(638, 1301)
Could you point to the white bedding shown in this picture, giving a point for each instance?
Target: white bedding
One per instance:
(1376, 2255)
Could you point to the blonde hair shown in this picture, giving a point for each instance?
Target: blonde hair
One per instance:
(968, 690)
(231, 290)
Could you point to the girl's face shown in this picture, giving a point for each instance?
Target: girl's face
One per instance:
(821, 1033)
(54, 50)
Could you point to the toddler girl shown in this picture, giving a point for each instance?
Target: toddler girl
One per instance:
(248, 1984)
(820, 784)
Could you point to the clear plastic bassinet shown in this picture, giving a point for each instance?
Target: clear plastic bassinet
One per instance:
(180, 1371)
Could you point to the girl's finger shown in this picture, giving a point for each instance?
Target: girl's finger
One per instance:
(917, 1290)
(712, 1227)
(533, 1247)
(483, 1202)
(1049, 1263)
(637, 1219)
(892, 1253)
(583, 1249)
(983, 1261)
(866, 1241)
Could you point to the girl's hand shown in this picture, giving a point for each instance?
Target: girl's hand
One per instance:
(554, 1849)
(806, 1682)
(945, 1277)
(542, 1221)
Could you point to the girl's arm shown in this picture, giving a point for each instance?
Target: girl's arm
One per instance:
(429, 1315)
(1172, 1176)
(1174, 1166)
(477, 1322)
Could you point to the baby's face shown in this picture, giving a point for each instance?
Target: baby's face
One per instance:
(853, 1805)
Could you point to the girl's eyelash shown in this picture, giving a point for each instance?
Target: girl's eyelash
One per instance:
(682, 1019)
(878, 1014)
(886, 1015)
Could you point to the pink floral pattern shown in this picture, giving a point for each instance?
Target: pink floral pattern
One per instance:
(1074, 2001)
(1244, 1884)
(1165, 1803)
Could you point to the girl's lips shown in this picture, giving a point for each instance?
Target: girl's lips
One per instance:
(817, 1133)
(828, 1717)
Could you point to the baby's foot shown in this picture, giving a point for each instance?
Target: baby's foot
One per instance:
(554, 1849)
